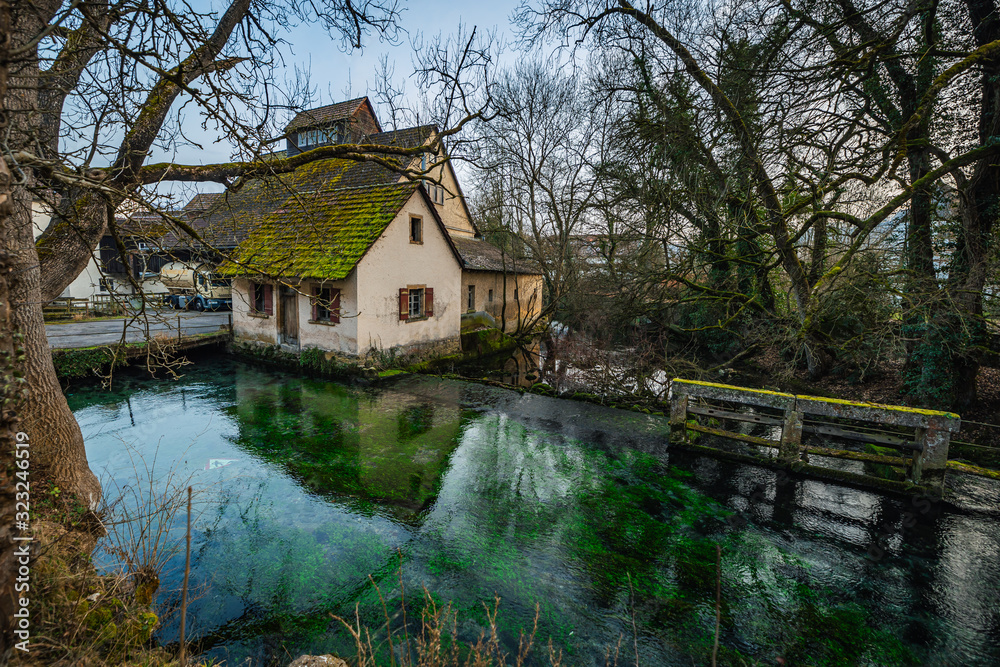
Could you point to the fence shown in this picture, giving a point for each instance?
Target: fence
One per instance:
(917, 440)
(66, 308)
(108, 304)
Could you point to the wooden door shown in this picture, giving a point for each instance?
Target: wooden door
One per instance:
(289, 316)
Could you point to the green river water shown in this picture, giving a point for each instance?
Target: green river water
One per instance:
(310, 493)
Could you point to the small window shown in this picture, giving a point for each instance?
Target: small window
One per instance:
(416, 230)
(436, 192)
(326, 305)
(259, 299)
(323, 305)
(489, 296)
(333, 135)
(472, 297)
(416, 303)
(107, 285)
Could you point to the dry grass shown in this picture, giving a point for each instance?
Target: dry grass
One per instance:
(433, 644)
(78, 616)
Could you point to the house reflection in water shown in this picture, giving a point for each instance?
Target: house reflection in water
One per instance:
(388, 448)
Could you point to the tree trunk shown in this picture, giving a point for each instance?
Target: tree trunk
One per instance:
(982, 203)
(57, 442)
(57, 448)
(11, 387)
(8, 417)
(944, 364)
(926, 376)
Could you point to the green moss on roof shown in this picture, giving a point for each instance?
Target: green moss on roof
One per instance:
(319, 234)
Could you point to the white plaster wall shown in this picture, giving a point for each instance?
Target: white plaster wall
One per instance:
(393, 263)
(247, 327)
(453, 211)
(87, 284)
(341, 337)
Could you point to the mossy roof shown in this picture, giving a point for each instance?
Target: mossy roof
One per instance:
(230, 216)
(267, 218)
(320, 235)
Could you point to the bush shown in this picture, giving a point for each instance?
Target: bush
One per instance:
(856, 319)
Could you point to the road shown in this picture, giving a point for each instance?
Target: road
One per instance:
(106, 332)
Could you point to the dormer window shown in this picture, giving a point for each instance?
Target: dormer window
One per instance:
(322, 136)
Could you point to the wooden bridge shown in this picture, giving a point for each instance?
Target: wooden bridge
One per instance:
(900, 447)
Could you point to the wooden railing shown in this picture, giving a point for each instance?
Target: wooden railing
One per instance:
(66, 308)
(918, 438)
(108, 304)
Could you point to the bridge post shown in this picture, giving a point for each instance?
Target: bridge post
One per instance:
(678, 418)
(791, 436)
(931, 459)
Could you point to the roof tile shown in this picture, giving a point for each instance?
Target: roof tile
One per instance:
(319, 235)
(478, 255)
(324, 115)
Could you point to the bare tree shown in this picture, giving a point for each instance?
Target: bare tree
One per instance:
(96, 87)
(534, 162)
(805, 146)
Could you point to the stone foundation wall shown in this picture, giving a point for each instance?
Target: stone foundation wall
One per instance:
(423, 351)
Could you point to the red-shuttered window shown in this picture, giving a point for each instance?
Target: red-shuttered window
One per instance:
(326, 305)
(416, 303)
(263, 301)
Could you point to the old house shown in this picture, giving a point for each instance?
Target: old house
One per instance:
(352, 256)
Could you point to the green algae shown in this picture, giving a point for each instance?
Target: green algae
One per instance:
(340, 444)
(472, 499)
(319, 235)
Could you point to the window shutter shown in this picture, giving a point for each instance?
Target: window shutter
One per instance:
(268, 301)
(335, 306)
(429, 301)
(404, 303)
(315, 303)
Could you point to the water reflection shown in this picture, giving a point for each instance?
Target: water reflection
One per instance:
(474, 492)
(388, 448)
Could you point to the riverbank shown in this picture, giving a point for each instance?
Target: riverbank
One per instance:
(78, 615)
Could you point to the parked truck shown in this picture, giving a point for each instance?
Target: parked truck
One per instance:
(194, 286)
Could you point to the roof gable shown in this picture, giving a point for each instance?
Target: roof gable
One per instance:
(331, 113)
(242, 217)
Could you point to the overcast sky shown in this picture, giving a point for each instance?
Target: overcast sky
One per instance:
(332, 68)
(337, 75)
